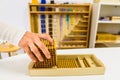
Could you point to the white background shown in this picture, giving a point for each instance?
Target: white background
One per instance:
(15, 12)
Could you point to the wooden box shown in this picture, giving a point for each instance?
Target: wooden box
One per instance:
(71, 65)
(105, 37)
(115, 18)
(113, 1)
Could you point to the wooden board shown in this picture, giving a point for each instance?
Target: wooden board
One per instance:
(71, 65)
(66, 20)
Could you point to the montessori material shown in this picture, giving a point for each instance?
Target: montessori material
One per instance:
(74, 65)
(67, 24)
(66, 65)
(47, 63)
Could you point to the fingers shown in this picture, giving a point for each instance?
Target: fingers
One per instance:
(47, 37)
(31, 55)
(35, 51)
(44, 49)
(31, 43)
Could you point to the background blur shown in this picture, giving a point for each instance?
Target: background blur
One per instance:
(15, 12)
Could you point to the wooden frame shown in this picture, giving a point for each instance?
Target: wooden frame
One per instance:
(75, 19)
(71, 65)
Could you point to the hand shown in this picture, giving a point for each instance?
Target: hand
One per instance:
(29, 42)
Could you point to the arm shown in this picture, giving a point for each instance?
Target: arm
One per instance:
(26, 40)
(11, 34)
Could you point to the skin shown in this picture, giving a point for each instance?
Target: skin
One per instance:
(30, 42)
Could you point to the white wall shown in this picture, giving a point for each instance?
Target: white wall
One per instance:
(15, 12)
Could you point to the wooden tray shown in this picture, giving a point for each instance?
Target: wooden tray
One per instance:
(71, 65)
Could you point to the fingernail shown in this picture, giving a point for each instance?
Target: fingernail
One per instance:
(48, 56)
(41, 60)
(34, 60)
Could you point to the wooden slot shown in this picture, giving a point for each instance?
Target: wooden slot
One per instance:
(97, 61)
(81, 63)
(86, 63)
(90, 62)
(66, 63)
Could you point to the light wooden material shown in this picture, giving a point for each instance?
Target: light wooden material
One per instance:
(106, 37)
(8, 48)
(113, 1)
(115, 18)
(67, 20)
(61, 5)
(46, 12)
(97, 25)
(71, 65)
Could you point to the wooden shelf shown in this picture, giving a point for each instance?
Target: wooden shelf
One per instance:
(108, 41)
(110, 4)
(100, 45)
(108, 44)
(109, 22)
(79, 30)
(81, 25)
(61, 5)
(84, 21)
(71, 47)
(78, 21)
(109, 26)
(73, 42)
(53, 12)
(75, 36)
(85, 16)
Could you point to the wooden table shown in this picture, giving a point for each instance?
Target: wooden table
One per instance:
(8, 48)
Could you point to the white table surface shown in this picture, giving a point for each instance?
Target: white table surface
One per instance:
(16, 68)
